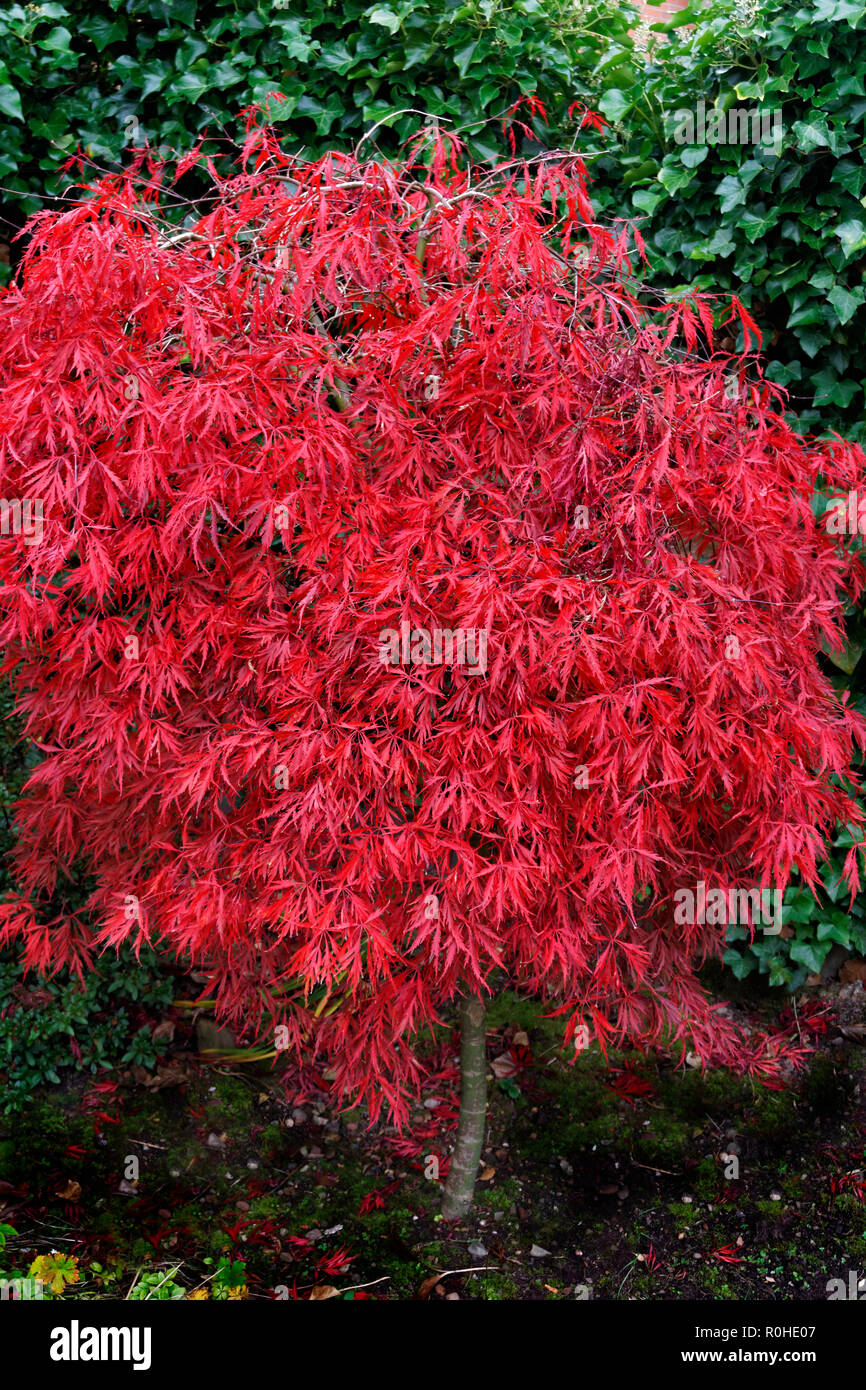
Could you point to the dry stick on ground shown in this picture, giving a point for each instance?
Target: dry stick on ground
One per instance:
(353, 1287)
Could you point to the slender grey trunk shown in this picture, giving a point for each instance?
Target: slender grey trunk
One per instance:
(460, 1183)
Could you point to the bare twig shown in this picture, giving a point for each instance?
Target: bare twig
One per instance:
(341, 387)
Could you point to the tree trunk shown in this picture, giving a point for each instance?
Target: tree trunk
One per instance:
(460, 1183)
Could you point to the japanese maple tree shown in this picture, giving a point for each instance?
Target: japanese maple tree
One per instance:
(414, 607)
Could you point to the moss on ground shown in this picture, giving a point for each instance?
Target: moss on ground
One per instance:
(602, 1178)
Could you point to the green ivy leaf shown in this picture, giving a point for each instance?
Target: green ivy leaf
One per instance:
(732, 193)
(463, 57)
(10, 102)
(852, 235)
(613, 104)
(812, 134)
(829, 931)
(191, 85)
(102, 31)
(844, 302)
(647, 199)
(57, 41)
(812, 954)
(741, 964)
(673, 177)
(693, 155)
(224, 75)
(828, 390)
(387, 18)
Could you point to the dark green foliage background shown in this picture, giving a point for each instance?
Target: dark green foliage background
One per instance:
(786, 232)
(80, 74)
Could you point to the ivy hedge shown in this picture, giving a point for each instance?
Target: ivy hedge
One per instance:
(784, 226)
(780, 222)
(101, 75)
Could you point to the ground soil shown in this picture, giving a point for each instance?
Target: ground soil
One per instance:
(636, 1178)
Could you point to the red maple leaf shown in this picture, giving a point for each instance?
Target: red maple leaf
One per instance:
(727, 1254)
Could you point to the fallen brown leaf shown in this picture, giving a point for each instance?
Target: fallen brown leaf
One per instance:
(173, 1075)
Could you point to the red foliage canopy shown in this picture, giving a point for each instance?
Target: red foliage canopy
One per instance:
(354, 396)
